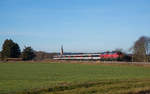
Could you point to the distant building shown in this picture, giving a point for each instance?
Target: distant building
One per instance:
(62, 51)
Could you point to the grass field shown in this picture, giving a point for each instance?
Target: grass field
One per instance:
(65, 78)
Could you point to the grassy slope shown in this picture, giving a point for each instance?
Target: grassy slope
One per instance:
(17, 77)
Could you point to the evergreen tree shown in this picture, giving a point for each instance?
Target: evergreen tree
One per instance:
(28, 53)
(0, 56)
(16, 50)
(10, 49)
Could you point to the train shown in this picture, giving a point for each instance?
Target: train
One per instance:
(109, 56)
(104, 56)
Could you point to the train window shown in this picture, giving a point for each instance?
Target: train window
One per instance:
(95, 55)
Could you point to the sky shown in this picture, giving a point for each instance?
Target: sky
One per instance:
(78, 25)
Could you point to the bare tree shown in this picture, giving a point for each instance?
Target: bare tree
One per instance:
(118, 50)
(141, 49)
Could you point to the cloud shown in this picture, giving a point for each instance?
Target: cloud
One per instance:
(6, 33)
(17, 33)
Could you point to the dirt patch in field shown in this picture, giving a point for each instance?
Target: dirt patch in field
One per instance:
(100, 85)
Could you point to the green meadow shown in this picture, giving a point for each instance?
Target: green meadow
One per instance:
(68, 78)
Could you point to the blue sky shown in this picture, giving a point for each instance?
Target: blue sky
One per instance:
(80, 25)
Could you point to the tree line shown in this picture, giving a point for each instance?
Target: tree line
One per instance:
(140, 51)
(10, 49)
